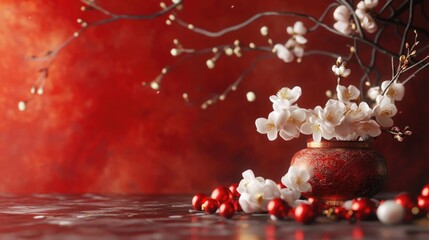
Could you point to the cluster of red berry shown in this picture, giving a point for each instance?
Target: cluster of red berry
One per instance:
(224, 200)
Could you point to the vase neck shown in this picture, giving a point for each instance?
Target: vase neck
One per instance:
(339, 144)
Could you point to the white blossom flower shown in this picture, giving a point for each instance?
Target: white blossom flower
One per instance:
(283, 53)
(333, 113)
(301, 40)
(295, 44)
(363, 14)
(347, 94)
(291, 126)
(370, 4)
(360, 12)
(282, 117)
(341, 71)
(248, 176)
(384, 111)
(395, 91)
(286, 96)
(369, 24)
(355, 113)
(290, 196)
(342, 13)
(297, 29)
(298, 51)
(368, 128)
(317, 128)
(346, 131)
(343, 27)
(255, 193)
(268, 126)
(373, 92)
(296, 179)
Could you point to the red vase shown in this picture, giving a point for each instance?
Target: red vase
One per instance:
(341, 170)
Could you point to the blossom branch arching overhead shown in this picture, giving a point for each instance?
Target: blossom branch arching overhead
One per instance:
(49, 56)
(362, 23)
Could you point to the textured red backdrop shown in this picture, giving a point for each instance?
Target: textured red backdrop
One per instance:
(96, 129)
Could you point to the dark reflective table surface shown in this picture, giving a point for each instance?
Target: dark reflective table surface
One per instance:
(91, 216)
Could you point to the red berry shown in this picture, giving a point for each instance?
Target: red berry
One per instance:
(410, 205)
(425, 191)
(278, 208)
(405, 200)
(210, 205)
(222, 194)
(233, 189)
(304, 213)
(343, 213)
(237, 206)
(197, 200)
(363, 208)
(318, 205)
(423, 204)
(227, 209)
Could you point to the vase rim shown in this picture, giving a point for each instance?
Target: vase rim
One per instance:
(338, 144)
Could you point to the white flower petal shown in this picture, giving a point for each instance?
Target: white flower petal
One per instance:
(343, 27)
(248, 174)
(304, 187)
(304, 174)
(283, 134)
(272, 134)
(342, 13)
(298, 51)
(261, 125)
(370, 4)
(300, 39)
(299, 28)
(317, 136)
(290, 196)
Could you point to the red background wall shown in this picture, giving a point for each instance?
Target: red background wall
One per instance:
(96, 129)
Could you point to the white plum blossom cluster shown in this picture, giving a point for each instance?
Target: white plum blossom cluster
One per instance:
(343, 118)
(294, 46)
(257, 192)
(344, 18)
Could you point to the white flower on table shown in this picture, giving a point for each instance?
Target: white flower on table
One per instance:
(347, 94)
(268, 126)
(384, 111)
(248, 176)
(256, 192)
(290, 196)
(395, 91)
(296, 179)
